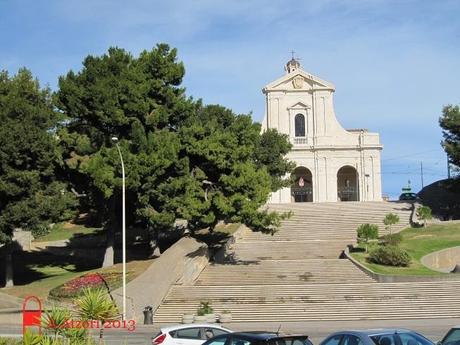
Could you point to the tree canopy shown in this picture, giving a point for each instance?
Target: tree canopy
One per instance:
(184, 160)
(31, 194)
(450, 124)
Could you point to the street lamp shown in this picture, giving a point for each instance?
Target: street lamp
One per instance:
(123, 230)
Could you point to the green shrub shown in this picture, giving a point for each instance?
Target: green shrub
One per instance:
(424, 213)
(205, 308)
(10, 341)
(389, 256)
(367, 232)
(389, 220)
(40, 230)
(392, 239)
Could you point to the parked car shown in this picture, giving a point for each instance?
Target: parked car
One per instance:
(190, 334)
(377, 337)
(409, 196)
(258, 338)
(452, 337)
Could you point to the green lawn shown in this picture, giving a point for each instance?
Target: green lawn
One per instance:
(419, 242)
(65, 231)
(227, 228)
(38, 273)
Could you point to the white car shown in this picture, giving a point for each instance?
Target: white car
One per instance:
(190, 334)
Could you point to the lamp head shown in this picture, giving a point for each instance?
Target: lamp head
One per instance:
(115, 139)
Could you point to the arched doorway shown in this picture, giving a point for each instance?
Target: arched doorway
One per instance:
(301, 189)
(347, 184)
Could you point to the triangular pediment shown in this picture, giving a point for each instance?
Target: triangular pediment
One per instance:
(299, 105)
(299, 80)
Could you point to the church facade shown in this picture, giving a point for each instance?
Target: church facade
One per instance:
(332, 164)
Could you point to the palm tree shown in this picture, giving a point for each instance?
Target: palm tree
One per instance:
(96, 304)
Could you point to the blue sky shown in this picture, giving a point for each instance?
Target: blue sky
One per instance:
(394, 63)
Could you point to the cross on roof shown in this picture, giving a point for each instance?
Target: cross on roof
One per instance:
(293, 57)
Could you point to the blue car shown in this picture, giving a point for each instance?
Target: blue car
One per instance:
(388, 336)
(258, 338)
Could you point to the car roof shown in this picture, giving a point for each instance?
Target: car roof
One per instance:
(263, 335)
(375, 331)
(192, 325)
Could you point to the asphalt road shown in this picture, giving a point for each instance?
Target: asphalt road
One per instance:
(434, 329)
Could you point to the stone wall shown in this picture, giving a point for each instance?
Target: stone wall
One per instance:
(180, 264)
(443, 260)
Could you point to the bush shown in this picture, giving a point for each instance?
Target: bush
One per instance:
(424, 213)
(40, 230)
(10, 341)
(389, 256)
(389, 220)
(205, 308)
(367, 232)
(392, 239)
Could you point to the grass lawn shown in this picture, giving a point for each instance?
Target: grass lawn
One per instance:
(227, 228)
(419, 242)
(45, 272)
(36, 273)
(65, 231)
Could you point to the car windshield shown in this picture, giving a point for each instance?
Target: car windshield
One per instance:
(453, 338)
(290, 341)
(404, 338)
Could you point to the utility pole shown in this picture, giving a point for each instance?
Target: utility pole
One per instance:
(123, 231)
(421, 172)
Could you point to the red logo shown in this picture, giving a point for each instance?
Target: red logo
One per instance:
(32, 317)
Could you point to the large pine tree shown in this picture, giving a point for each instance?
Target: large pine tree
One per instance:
(31, 196)
(183, 160)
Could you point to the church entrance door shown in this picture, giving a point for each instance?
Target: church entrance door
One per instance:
(301, 189)
(347, 184)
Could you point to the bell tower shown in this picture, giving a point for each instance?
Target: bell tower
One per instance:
(292, 65)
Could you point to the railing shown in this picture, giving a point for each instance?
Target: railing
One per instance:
(301, 190)
(347, 194)
(299, 141)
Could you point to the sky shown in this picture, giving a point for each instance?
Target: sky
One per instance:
(395, 64)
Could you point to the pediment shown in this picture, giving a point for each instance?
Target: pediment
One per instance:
(299, 80)
(299, 105)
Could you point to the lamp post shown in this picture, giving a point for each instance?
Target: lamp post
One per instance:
(123, 230)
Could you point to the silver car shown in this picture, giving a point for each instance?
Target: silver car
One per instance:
(386, 336)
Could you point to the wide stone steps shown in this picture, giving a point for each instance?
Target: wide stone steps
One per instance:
(332, 221)
(288, 250)
(268, 272)
(259, 303)
(295, 275)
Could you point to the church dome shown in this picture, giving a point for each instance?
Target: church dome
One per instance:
(292, 65)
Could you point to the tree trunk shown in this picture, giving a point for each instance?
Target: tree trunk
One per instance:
(153, 243)
(109, 257)
(8, 267)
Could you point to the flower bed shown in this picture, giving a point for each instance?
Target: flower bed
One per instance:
(75, 287)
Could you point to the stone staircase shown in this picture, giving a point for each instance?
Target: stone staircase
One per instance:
(296, 274)
(290, 272)
(314, 302)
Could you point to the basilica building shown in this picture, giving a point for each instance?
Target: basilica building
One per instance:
(333, 164)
